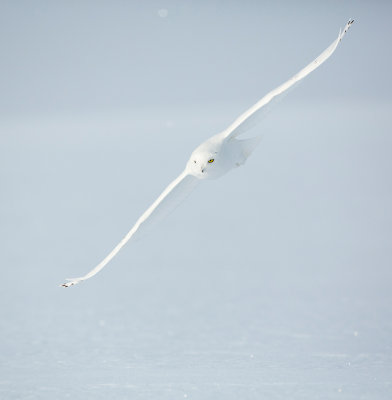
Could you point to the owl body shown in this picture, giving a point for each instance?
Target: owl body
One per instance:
(218, 155)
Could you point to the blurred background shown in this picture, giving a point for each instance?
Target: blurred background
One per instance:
(272, 282)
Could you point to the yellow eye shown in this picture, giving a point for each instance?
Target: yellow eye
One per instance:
(211, 160)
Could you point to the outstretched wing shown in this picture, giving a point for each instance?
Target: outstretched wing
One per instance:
(169, 199)
(245, 121)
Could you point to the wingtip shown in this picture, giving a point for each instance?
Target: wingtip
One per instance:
(349, 23)
(66, 284)
(71, 282)
(345, 29)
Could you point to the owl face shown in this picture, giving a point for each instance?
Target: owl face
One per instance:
(203, 164)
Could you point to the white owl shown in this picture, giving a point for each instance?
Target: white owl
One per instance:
(213, 158)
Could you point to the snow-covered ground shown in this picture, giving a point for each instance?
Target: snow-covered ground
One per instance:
(272, 282)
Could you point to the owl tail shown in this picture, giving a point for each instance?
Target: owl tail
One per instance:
(247, 147)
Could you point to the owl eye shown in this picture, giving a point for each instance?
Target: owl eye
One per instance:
(211, 160)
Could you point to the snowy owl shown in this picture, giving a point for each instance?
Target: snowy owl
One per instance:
(212, 159)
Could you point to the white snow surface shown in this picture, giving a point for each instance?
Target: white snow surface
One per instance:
(289, 297)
